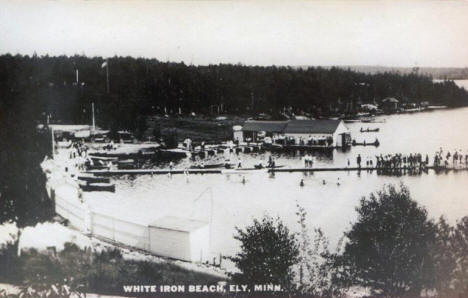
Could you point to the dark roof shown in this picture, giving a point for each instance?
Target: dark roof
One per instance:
(268, 126)
(293, 126)
(312, 126)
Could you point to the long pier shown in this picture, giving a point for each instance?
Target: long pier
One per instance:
(264, 170)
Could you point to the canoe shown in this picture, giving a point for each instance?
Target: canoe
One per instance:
(212, 166)
(98, 187)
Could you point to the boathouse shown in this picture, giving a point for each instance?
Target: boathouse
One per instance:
(180, 238)
(325, 133)
(332, 133)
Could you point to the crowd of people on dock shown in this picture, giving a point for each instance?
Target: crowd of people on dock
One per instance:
(413, 160)
(457, 158)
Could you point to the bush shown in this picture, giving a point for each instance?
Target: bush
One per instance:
(315, 268)
(460, 247)
(268, 253)
(389, 248)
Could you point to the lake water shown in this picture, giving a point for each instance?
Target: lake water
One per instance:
(228, 202)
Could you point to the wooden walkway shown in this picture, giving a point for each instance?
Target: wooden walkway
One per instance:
(264, 170)
(346, 169)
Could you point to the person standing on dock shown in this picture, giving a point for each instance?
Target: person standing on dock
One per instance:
(358, 160)
(306, 160)
(239, 163)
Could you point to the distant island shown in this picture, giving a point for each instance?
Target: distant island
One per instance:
(439, 73)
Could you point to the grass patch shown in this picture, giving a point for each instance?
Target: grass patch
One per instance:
(85, 271)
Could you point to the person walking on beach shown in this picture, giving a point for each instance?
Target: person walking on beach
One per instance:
(358, 160)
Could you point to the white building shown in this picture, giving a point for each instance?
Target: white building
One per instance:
(326, 133)
(330, 132)
(180, 238)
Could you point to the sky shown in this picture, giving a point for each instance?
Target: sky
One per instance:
(386, 33)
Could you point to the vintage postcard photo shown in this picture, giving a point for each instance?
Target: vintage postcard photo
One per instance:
(234, 148)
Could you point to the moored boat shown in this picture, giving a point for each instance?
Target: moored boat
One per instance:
(370, 130)
(98, 187)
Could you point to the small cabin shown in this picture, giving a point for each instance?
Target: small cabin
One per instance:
(180, 238)
(390, 105)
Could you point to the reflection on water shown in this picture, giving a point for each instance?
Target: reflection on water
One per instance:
(330, 198)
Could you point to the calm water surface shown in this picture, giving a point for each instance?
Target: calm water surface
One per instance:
(228, 202)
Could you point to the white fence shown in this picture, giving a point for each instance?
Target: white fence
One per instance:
(69, 206)
(119, 230)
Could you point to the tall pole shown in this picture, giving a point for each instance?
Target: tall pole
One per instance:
(77, 77)
(107, 76)
(53, 142)
(94, 121)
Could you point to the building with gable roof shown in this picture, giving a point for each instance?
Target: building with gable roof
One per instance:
(326, 133)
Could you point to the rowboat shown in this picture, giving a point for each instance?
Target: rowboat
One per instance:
(93, 179)
(370, 130)
(126, 164)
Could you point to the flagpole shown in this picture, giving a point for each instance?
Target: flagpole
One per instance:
(94, 121)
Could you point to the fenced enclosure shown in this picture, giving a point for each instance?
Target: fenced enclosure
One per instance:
(173, 237)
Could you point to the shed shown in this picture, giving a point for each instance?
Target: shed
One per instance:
(180, 238)
(390, 104)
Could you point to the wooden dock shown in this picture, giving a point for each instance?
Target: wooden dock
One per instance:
(152, 172)
(263, 170)
(366, 169)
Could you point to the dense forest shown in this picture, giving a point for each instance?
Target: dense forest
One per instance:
(49, 86)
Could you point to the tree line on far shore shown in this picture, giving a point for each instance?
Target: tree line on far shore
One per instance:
(138, 86)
